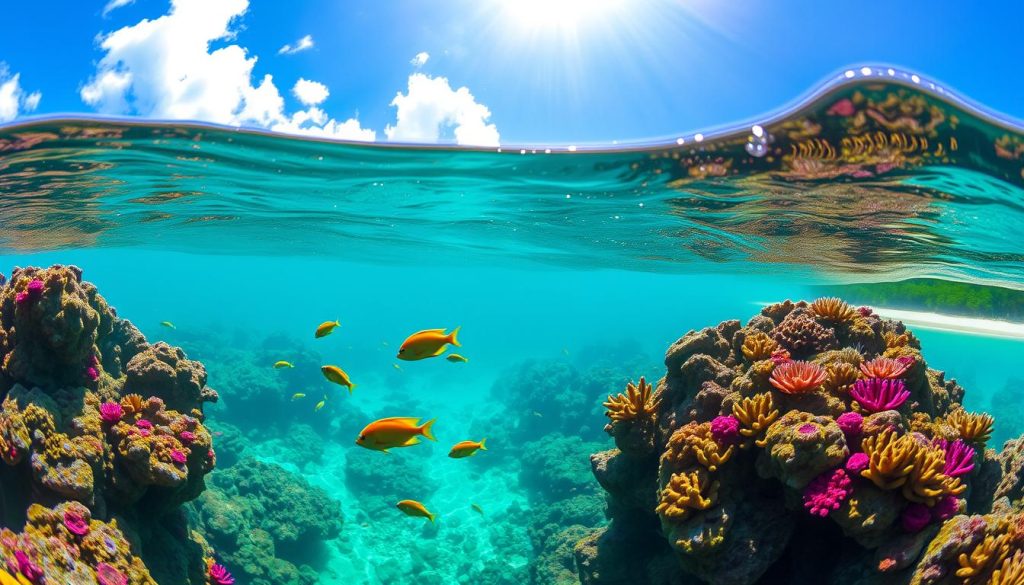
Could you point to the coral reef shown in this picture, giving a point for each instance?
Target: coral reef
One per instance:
(101, 436)
(814, 427)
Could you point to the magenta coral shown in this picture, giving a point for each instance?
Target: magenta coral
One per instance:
(219, 575)
(75, 523)
(144, 424)
(959, 457)
(187, 437)
(178, 456)
(915, 517)
(851, 423)
(108, 574)
(946, 508)
(92, 373)
(878, 394)
(111, 412)
(827, 492)
(724, 429)
(27, 568)
(857, 463)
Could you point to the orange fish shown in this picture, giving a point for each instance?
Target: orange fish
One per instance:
(467, 449)
(414, 508)
(399, 431)
(326, 328)
(427, 344)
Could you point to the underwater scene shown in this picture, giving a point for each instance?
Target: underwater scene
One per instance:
(787, 352)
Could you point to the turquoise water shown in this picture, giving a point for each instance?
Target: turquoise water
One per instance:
(569, 274)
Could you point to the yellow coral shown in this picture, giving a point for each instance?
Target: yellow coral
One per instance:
(692, 443)
(8, 579)
(988, 553)
(685, 492)
(1011, 572)
(755, 415)
(758, 346)
(841, 377)
(971, 426)
(890, 458)
(892, 340)
(638, 401)
(926, 483)
(834, 310)
(132, 403)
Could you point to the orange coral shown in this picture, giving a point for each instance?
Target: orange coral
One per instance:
(1011, 572)
(841, 377)
(686, 492)
(987, 554)
(927, 483)
(798, 377)
(132, 403)
(639, 401)
(890, 458)
(758, 346)
(971, 426)
(892, 340)
(755, 414)
(883, 367)
(693, 443)
(833, 310)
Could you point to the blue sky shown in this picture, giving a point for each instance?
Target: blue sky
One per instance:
(508, 71)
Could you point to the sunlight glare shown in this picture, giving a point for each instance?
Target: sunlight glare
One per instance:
(558, 14)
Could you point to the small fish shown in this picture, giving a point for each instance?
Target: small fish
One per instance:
(467, 449)
(537, 414)
(399, 431)
(338, 376)
(477, 508)
(427, 344)
(326, 328)
(297, 395)
(320, 404)
(415, 509)
(282, 364)
(385, 343)
(565, 350)
(168, 324)
(397, 367)
(454, 357)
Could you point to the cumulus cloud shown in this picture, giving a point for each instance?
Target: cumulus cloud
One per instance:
(302, 44)
(13, 99)
(430, 107)
(310, 93)
(164, 68)
(420, 59)
(114, 5)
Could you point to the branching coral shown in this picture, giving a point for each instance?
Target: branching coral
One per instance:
(891, 458)
(639, 401)
(840, 377)
(758, 346)
(1011, 572)
(798, 377)
(927, 482)
(694, 444)
(755, 414)
(833, 310)
(972, 427)
(987, 554)
(686, 492)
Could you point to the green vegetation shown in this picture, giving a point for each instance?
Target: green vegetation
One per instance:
(927, 294)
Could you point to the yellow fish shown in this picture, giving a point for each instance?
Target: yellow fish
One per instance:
(478, 509)
(320, 404)
(282, 364)
(326, 328)
(454, 357)
(399, 431)
(298, 395)
(416, 509)
(467, 449)
(168, 324)
(338, 376)
(397, 367)
(427, 344)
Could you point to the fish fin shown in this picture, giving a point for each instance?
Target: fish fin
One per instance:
(427, 429)
(412, 420)
(351, 387)
(441, 330)
(412, 441)
(439, 351)
(482, 441)
(453, 337)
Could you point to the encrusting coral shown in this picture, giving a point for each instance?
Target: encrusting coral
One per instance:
(811, 426)
(102, 435)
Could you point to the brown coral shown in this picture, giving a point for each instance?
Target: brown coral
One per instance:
(833, 310)
(686, 492)
(804, 336)
(638, 402)
(797, 377)
(758, 346)
(891, 458)
(973, 427)
(755, 414)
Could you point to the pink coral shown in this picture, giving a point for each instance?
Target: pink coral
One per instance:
(857, 463)
(959, 457)
(178, 456)
(144, 424)
(187, 437)
(883, 367)
(109, 575)
(27, 568)
(32, 292)
(780, 356)
(946, 508)
(915, 517)
(75, 523)
(851, 423)
(865, 311)
(725, 429)
(219, 575)
(111, 412)
(827, 492)
(878, 394)
(843, 108)
(92, 373)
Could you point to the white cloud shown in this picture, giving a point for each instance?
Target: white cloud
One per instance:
(420, 59)
(310, 93)
(163, 68)
(431, 106)
(114, 5)
(13, 99)
(302, 44)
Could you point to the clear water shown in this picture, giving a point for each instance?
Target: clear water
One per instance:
(567, 271)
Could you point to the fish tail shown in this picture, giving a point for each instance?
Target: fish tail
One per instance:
(482, 446)
(431, 516)
(427, 429)
(453, 337)
(351, 387)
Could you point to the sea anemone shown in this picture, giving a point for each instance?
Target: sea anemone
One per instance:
(883, 367)
(75, 523)
(827, 492)
(797, 377)
(111, 412)
(972, 427)
(219, 575)
(947, 507)
(959, 457)
(878, 394)
(833, 310)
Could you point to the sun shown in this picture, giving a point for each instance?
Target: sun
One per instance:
(559, 15)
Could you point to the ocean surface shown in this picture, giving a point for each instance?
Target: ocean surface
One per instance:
(570, 270)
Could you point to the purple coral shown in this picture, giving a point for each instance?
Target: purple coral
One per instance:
(188, 437)
(878, 394)
(946, 508)
(857, 463)
(724, 429)
(27, 568)
(32, 292)
(92, 373)
(915, 517)
(827, 492)
(219, 575)
(108, 574)
(178, 456)
(144, 424)
(76, 523)
(851, 423)
(959, 457)
(111, 412)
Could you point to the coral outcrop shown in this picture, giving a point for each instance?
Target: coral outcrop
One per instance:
(814, 427)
